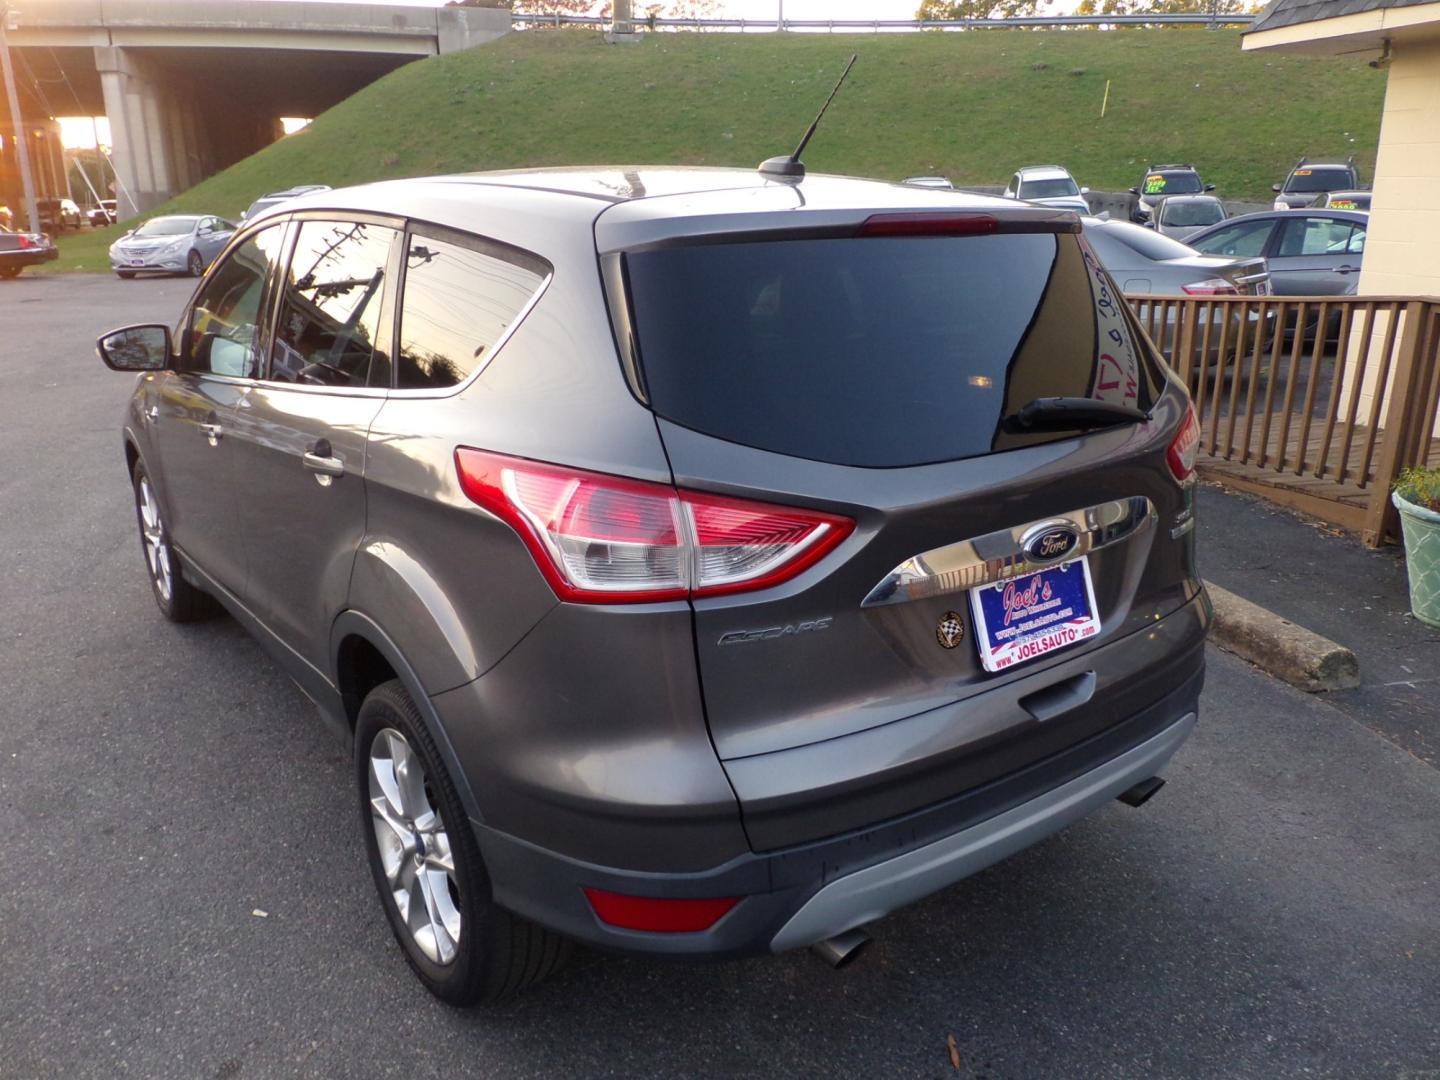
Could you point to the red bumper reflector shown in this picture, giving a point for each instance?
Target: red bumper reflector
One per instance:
(657, 915)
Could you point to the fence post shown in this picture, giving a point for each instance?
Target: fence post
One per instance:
(1403, 409)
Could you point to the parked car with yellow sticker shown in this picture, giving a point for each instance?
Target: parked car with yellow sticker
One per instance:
(1311, 178)
(1160, 183)
(1343, 200)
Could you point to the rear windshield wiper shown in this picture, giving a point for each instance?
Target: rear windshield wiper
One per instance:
(1067, 413)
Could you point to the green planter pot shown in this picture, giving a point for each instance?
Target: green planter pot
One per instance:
(1422, 556)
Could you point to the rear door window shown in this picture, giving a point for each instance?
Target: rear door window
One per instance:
(331, 330)
(1319, 236)
(461, 296)
(878, 351)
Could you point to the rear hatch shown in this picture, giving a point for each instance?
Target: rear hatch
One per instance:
(868, 371)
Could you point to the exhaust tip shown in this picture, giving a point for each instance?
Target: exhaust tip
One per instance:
(1140, 794)
(842, 948)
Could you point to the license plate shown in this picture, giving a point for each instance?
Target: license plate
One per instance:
(137, 262)
(1027, 617)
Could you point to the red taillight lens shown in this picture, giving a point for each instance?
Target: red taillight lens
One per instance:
(26, 242)
(604, 539)
(657, 915)
(1181, 454)
(1210, 287)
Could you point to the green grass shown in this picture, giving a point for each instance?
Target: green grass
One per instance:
(972, 106)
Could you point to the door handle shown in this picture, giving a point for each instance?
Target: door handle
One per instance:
(325, 467)
(1346, 269)
(212, 432)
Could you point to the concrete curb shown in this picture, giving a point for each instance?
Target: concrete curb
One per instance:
(1278, 647)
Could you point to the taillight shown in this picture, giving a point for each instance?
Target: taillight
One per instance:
(26, 242)
(607, 540)
(1181, 454)
(1210, 287)
(928, 224)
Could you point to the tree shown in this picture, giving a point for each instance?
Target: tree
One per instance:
(978, 9)
(542, 8)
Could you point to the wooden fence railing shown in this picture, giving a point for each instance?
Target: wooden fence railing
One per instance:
(1315, 402)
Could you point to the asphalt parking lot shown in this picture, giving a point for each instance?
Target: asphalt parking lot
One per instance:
(1274, 912)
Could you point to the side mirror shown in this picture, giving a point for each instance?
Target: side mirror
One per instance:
(1275, 188)
(1209, 187)
(1133, 190)
(136, 348)
(1084, 191)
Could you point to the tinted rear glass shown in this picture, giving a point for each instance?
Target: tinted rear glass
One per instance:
(1146, 242)
(1058, 188)
(1188, 213)
(1320, 178)
(878, 351)
(1172, 183)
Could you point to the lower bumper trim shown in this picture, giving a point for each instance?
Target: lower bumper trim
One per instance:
(875, 891)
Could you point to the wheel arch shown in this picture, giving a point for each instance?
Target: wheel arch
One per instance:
(362, 656)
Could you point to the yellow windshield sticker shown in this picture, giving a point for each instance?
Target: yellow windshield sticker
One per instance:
(1302, 172)
(1154, 184)
(1343, 204)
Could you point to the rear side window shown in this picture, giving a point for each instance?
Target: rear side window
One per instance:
(1320, 236)
(461, 295)
(878, 351)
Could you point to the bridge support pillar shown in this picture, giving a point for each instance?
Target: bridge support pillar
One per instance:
(158, 141)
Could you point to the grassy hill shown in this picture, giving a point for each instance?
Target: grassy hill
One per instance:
(972, 106)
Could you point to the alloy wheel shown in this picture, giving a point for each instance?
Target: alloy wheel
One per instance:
(414, 847)
(152, 533)
(197, 264)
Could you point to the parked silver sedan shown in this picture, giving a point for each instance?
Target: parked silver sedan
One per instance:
(1181, 216)
(1145, 263)
(174, 244)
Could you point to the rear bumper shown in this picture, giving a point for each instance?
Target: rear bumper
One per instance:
(799, 895)
(28, 257)
(866, 895)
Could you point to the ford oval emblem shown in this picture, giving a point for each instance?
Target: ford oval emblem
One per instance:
(1049, 543)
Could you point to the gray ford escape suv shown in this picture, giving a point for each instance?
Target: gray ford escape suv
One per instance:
(701, 562)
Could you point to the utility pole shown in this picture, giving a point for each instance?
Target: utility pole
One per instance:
(22, 140)
(780, 18)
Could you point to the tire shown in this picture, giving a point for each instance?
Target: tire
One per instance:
(463, 947)
(125, 275)
(195, 263)
(177, 599)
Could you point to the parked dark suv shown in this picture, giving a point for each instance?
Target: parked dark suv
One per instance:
(1312, 177)
(703, 563)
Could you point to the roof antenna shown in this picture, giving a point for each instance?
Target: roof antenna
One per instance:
(791, 168)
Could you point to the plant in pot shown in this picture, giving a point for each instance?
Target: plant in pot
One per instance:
(1417, 497)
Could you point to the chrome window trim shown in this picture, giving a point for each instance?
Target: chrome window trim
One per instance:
(996, 556)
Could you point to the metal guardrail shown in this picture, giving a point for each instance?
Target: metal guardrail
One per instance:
(519, 18)
(1315, 402)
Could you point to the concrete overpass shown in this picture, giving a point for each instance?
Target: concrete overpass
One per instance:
(192, 86)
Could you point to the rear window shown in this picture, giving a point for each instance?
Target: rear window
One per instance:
(1172, 183)
(879, 351)
(1320, 178)
(1146, 242)
(1183, 214)
(1057, 188)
